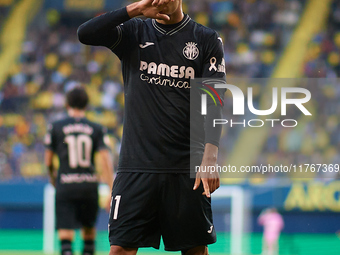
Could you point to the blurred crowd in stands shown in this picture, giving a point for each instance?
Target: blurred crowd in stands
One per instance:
(3, 14)
(4, 11)
(255, 33)
(317, 140)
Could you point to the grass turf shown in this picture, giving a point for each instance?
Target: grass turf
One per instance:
(29, 242)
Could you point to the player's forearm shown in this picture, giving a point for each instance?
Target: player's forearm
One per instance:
(134, 9)
(50, 170)
(210, 154)
(51, 174)
(108, 177)
(49, 162)
(101, 30)
(107, 173)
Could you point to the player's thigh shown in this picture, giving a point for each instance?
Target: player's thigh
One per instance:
(186, 216)
(65, 213)
(133, 219)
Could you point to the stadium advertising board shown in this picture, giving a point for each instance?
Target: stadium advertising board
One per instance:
(314, 196)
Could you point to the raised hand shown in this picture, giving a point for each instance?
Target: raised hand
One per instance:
(161, 2)
(149, 8)
(207, 172)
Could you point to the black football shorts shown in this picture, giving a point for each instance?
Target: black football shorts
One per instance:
(72, 213)
(146, 206)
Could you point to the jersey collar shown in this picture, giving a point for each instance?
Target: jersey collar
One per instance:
(177, 28)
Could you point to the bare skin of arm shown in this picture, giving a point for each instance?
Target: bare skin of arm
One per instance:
(49, 164)
(211, 181)
(107, 173)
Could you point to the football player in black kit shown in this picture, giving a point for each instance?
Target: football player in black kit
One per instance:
(153, 194)
(75, 140)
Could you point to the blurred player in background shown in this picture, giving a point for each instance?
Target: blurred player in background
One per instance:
(153, 194)
(75, 140)
(272, 223)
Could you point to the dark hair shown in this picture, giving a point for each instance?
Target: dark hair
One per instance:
(77, 98)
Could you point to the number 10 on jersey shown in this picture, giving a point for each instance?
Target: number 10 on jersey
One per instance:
(79, 150)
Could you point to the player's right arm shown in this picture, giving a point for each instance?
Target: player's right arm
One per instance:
(104, 29)
(49, 153)
(49, 164)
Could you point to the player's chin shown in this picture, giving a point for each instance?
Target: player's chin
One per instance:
(167, 14)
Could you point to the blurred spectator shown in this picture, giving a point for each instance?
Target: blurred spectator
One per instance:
(272, 223)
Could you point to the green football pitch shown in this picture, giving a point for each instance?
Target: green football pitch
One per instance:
(30, 242)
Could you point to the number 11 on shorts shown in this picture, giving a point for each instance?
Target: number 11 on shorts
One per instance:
(115, 212)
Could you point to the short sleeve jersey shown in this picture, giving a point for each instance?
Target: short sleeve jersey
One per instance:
(75, 141)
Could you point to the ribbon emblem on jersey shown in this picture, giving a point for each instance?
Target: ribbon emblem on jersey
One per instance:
(213, 64)
(220, 68)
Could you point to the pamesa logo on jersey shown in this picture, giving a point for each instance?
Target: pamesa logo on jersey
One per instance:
(191, 51)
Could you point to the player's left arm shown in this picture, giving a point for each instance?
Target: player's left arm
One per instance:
(213, 68)
(210, 180)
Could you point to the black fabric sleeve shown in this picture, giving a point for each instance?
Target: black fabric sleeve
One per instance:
(103, 30)
(213, 134)
(214, 63)
(214, 69)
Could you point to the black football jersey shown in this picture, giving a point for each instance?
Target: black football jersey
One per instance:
(75, 140)
(158, 62)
